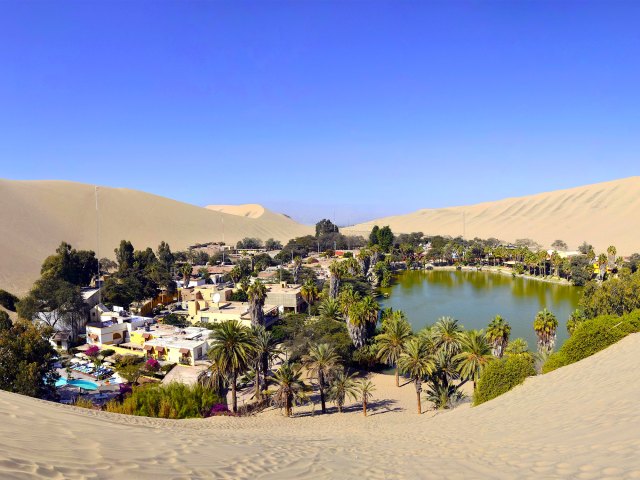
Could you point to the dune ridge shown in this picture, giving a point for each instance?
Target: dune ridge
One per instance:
(578, 422)
(601, 214)
(37, 215)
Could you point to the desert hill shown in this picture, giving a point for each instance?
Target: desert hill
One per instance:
(602, 214)
(37, 215)
(580, 421)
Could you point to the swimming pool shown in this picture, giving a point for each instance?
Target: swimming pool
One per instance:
(84, 384)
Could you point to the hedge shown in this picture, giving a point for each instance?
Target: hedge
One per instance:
(502, 375)
(591, 336)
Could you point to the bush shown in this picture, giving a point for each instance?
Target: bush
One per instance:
(175, 400)
(501, 376)
(592, 336)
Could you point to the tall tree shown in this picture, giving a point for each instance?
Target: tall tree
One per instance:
(342, 387)
(498, 335)
(165, 257)
(545, 326)
(56, 303)
(27, 360)
(124, 256)
(257, 294)
(321, 362)
(416, 362)
(336, 272)
(396, 331)
(325, 226)
(290, 389)
(474, 357)
(231, 351)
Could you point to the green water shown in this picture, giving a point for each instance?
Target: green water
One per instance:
(474, 298)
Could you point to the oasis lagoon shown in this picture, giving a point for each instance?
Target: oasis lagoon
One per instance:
(475, 297)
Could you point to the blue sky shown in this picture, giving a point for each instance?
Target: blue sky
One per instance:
(350, 110)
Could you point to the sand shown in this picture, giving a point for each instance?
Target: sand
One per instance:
(37, 215)
(602, 214)
(579, 422)
(250, 210)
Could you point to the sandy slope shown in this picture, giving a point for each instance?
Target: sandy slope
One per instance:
(578, 422)
(251, 210)
(602, 214)
(37, 215)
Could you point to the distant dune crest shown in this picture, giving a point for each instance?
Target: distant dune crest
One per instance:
(250, 210)
(602, 214)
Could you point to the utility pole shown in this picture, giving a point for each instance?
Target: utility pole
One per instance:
(98, 245)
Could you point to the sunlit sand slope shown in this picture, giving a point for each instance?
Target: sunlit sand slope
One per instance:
(37, 215)
(602, 214)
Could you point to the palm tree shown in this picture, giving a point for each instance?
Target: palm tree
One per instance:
(556, 261)
(291, 387)
(231, 350)
(602, 264)
(442, 396)
(416, 362)
(266, 351)
(335, 274)
(342, 386)
(214, 379)
(330, 309)
(395, 333)
(236, 273)
(309, 292)
(321, 362)
(297, 265)
(575, 319)
(186, 274)
(475, 356)
(611, 254)
(447, 335)
(257, 294)
(545, 325)
(365, 392)
(358, 315)
(517, 346)
(351, 266)
(498, 335)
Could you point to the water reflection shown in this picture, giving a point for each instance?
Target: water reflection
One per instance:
(475, 298)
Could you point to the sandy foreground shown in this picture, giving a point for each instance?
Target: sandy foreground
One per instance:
(581, 421)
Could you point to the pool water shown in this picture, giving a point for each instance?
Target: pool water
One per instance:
(84, 384)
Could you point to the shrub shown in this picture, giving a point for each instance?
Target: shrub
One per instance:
(92, 351)
(502, 375)
(591, 336)
(175, 400)
(108, 352)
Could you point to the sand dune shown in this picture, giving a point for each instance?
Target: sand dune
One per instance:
(602, 214)
(250, 210)
(579, 422)
(37, 215)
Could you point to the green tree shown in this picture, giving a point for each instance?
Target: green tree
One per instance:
(124, 255)
(309, 292)
(5, 321)
(474, 357)
(385, 238)
(374, 239)
(321, 362)
(56, 303)
(165, 257)
(257, 294)
(265, 351)
(325, 226)
(231, 351)
(365, 389)
(545, 326)
(343, 385)
(290, 387)
(27, 360)
(498, 335)
(416, 362)
(576, 318)
(330, 309)
(391, 342)
(447, 335)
